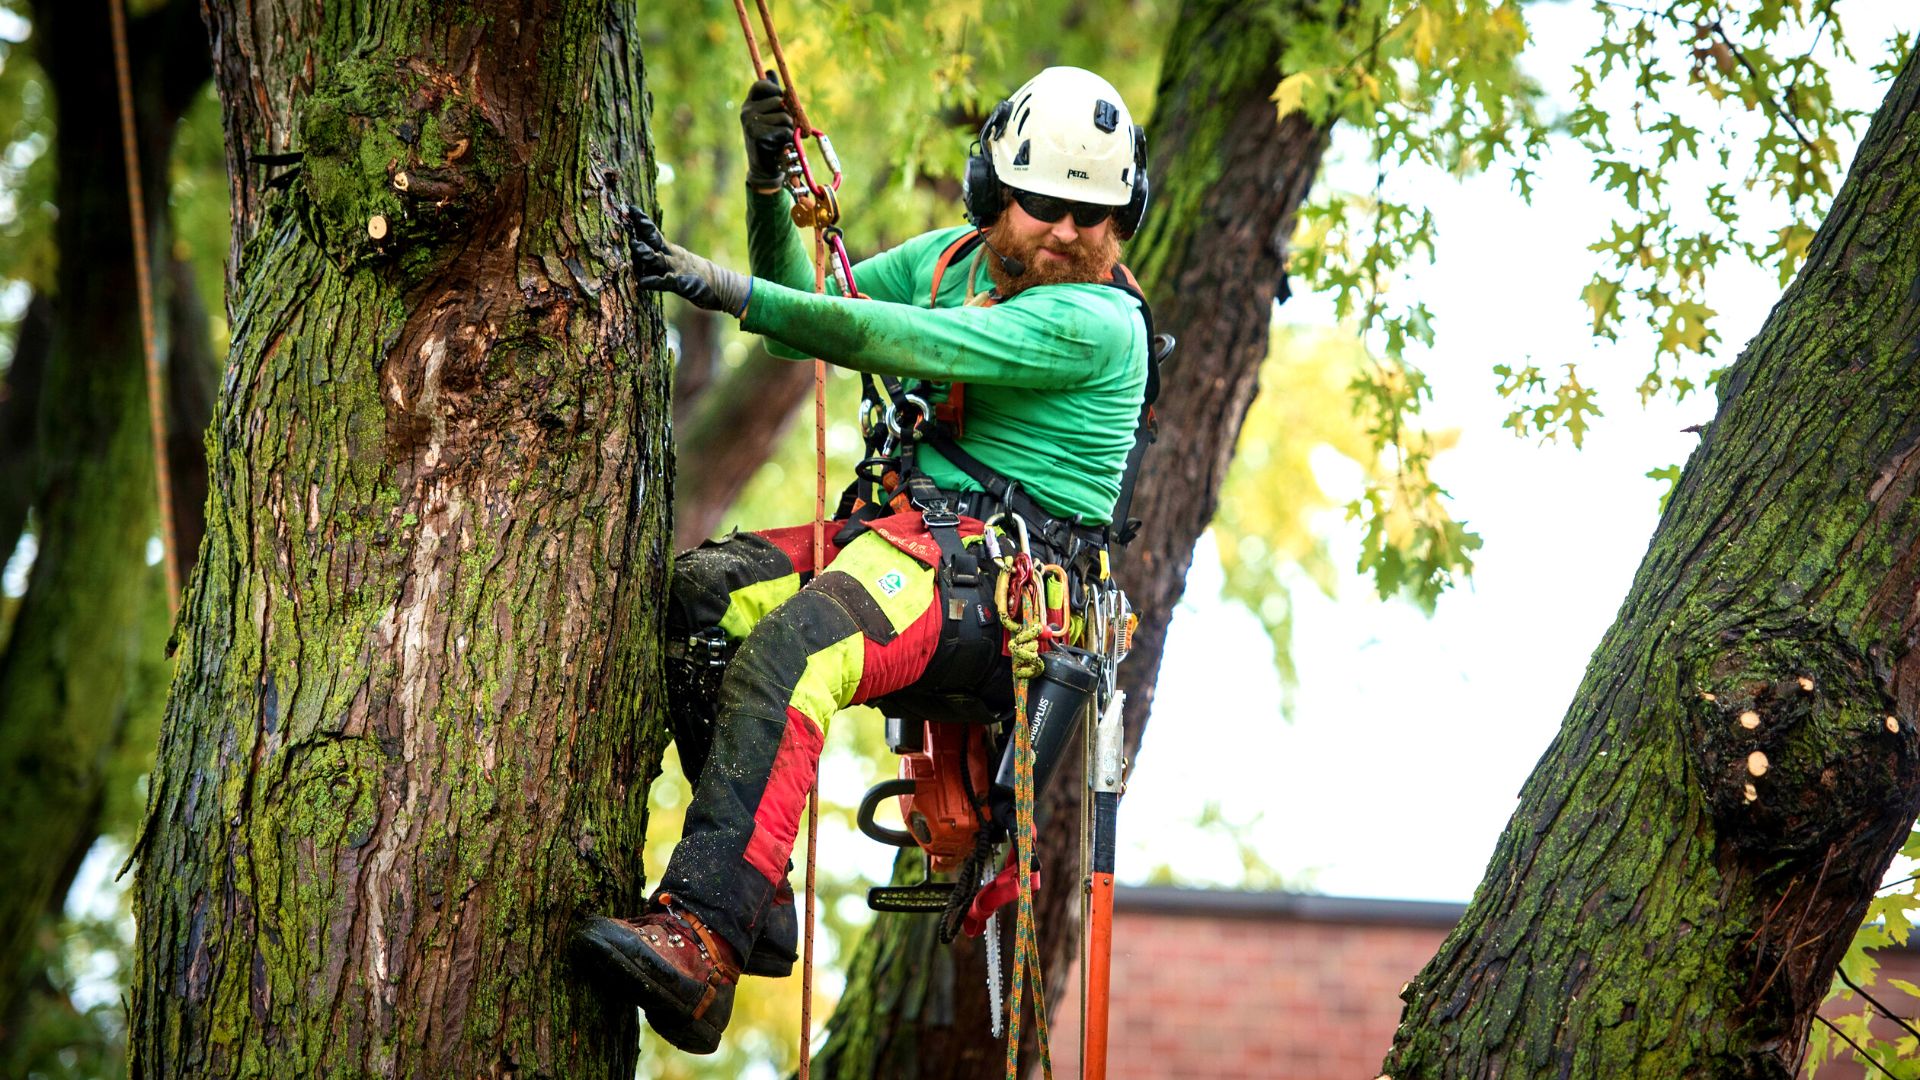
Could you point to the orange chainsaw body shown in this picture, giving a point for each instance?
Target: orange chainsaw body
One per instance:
(938, 814)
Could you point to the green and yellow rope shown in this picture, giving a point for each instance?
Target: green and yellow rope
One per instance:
(1023, 645)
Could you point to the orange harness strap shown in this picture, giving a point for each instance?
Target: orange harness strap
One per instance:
(953, 411)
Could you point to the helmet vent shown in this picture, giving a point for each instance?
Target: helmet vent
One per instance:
(1024, 112)
(1106, 116)
(1022, 158)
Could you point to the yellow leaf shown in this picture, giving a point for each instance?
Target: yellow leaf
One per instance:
(1290, 96)
(1426, 35)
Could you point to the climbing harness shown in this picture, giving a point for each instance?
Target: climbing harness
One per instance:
(897, 419)
(143, 281)
(1062, 606)
(1068, 627)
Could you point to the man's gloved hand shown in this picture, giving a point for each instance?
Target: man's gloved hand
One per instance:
(768, 128)
(666, 267)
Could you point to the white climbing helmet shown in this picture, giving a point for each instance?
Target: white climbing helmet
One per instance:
(1067, 134)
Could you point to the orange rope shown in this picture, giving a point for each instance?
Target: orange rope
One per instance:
(819, 511)
(819, 563)
(780, 59)
(753, 47)
(156, 414)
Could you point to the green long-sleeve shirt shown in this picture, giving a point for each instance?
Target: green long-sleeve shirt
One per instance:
(1055, 376)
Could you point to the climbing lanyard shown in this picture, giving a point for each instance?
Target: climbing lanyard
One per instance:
(1026, 589)
(815, 206)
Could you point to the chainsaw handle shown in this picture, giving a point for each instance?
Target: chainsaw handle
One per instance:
(885, 789)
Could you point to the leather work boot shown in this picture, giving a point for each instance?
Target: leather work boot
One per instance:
(668, 964)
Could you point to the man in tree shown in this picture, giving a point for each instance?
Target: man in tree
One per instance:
(1055, 368)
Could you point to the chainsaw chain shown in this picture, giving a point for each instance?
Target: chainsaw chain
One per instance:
(965, 887)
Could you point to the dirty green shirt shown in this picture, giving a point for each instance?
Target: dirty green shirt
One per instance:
(1055, 376)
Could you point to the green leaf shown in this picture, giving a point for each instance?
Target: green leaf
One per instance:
(1602, 297)
(1686, 328)
(1670, 474)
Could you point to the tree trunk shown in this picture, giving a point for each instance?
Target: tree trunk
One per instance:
(697, 362)
(1690, 858)
(80, 634)
(1228, 180)
(193, 377)
(20, 421)
(412, 729)
(732, 431)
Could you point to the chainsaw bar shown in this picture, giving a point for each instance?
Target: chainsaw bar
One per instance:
(996, 1008)
(931, 896)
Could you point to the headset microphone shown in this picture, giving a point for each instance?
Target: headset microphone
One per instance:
(1014, 267)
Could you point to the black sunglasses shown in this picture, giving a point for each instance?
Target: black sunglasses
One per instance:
(1049, 209)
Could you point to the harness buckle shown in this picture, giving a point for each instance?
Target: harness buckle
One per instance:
(938, 514)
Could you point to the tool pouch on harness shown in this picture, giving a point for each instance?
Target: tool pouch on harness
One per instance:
(969, 625)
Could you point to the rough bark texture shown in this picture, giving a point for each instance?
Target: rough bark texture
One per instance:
(410, 735)
(1693, 853)
(1211, 256)
(81, 634)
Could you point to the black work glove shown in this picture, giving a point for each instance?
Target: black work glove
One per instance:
(768, 128)
(666, 267)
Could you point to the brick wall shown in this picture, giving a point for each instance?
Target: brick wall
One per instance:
(1238, 986)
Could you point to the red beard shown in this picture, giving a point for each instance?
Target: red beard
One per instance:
(1086, 262)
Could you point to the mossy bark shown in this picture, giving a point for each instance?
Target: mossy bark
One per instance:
(412, 730)
(1228, 180)
(1693, 853)
(82, 634)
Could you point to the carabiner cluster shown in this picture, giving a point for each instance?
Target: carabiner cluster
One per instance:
(1040, 587)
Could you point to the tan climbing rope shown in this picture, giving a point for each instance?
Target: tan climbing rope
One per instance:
(817, 206)
(143, 282)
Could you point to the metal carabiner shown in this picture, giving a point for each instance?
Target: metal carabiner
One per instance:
(990, 540)
(1042, 571)
(1025, 542)
(833, 159)
(925, 411)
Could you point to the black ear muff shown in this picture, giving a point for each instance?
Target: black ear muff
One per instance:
(1126, 220)
(980, 187)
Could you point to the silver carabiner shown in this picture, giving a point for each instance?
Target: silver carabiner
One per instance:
(1023, 544)
(1020, 529)
(990, 538)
